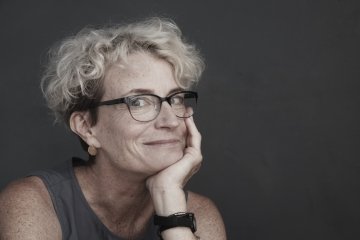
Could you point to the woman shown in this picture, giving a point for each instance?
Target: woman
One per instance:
(124, 91)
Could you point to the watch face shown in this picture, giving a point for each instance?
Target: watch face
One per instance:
(194, 223)
(192, 219)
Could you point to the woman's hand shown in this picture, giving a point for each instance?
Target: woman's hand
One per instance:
(166, 187)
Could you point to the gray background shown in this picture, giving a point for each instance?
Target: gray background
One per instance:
(279, 105)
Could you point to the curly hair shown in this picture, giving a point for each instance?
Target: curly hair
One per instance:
(73, 78)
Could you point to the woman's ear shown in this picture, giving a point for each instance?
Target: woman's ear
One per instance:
(80, 124)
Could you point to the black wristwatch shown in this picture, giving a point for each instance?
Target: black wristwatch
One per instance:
(181, 219)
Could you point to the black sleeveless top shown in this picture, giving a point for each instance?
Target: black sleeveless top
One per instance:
(77, 220)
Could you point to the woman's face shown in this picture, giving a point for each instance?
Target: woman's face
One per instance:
(145, 147)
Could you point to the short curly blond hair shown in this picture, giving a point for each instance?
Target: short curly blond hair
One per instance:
(73, 77)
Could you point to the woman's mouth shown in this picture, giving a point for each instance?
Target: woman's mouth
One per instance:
(162, 142)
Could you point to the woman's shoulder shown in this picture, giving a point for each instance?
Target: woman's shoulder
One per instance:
(24, 191)
(198, 201)
(26, 210)
(209, 220)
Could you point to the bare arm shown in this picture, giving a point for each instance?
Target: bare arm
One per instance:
(210, 224)
(26, 212)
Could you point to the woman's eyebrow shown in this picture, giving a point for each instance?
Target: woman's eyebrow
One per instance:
(150, 91)
(139, 91)
(175, 90)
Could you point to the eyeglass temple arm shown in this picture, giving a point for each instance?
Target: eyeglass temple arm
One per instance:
(110, 102)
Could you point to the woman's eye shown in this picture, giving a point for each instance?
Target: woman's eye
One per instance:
(139, 102)
(178, 100)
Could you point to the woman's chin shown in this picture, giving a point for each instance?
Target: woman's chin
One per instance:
(164, 160)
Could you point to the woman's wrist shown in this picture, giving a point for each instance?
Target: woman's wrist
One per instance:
(179, 233)
(168, 201)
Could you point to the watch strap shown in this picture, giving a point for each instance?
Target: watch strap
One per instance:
(181, 219)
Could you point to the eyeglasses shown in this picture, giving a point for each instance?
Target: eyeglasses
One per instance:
(146, 107)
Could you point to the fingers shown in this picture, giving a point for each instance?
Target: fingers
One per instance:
(194, 136)
(193, 150)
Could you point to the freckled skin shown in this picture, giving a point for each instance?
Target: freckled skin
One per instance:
(120, 135)
(130, 180)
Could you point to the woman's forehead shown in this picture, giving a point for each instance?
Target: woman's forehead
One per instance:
(140, 71)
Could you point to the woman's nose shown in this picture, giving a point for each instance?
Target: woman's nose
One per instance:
(166, 117)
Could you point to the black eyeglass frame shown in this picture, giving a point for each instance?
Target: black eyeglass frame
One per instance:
(127, 99)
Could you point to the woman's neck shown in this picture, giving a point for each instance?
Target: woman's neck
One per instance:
(119, 198)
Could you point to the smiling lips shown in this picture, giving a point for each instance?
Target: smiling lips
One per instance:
(162, 142)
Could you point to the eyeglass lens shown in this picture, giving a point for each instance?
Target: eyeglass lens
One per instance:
(147, 107)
